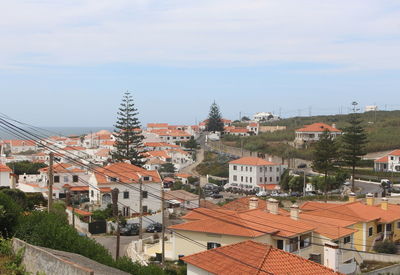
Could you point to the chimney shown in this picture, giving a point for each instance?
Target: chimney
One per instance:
(272, 206)
(352, 197)
(384, 204)
(331, 255)
(294, 212)
(270, 159)
(370, 199)
(253, 203)
(334, 125)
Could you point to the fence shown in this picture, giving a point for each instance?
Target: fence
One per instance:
(79, 225)
(390, 270)
(380, 257)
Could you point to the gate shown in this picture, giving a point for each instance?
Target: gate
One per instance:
(98, 227)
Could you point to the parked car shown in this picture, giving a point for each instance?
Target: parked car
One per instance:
(261, 194)
(154, 227)
(302, 166)
(130, 229)
(217, 196)
(295, 194)
(347, 183)
(283, 195)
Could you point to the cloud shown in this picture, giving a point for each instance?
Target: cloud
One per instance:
(354, 35)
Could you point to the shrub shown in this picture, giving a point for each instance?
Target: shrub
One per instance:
(9, 212)
(386, 247)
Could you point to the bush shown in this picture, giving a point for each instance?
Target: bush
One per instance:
(103, 215)
(26, 167)
(9, 212)
(386, 247)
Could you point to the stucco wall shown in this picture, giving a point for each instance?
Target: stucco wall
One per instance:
(37, 259)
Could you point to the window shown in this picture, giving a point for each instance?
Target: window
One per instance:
(391, 158)
(277, 169)
(75, 178)
(126, 195)
(241, 168)
(293, 245)
(125, 211)
(146, 178)
(251, 179)
(379, 228)
(389, 227)
(279, 244)
(66, 179)
(144, 208)
(270, 169)
(370, 231)
(265, 179)
(277, 178)
(241, 179)
(260, 179)
(235, 178)
(247, 179)
(260, 169)
(251, 168)
(56, 178)
(211, 245)
(144, 194)
(92, 193)
(234, 167)
(305, 241)
(247, 168)
(113, 179)
(270, 179)
(347, 239)
(398, 225)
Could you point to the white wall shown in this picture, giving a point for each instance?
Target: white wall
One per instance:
(194, 270)
(5, 179)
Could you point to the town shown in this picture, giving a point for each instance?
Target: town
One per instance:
(202, 195)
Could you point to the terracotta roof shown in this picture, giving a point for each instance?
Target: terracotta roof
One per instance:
(252, 223)
(180, 195)
(207, 204)
(269, 186)
(395, 153)
(161, 153)
(17, 142)
(384, 159)
(105, 189)
(74, 148)
(103, 153)
(157, 125)
(5, 168)
(167, 132)
(126, 173)
(160, 144)
(108, 142)
(155, 161)
(81, 212)
(183, 175)
(253, 124)
(251, 257)
(252, 161)
(79, 188)
(63, 168)
(242, 204)
(317, 127)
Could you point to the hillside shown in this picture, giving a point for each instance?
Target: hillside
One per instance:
(382, 127)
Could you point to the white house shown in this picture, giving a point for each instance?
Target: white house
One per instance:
(265, 116)
(388, 163)
(253, 127)
(312, 133)
(19, 146)
(5, 176)
(125, 177)
(250, 173)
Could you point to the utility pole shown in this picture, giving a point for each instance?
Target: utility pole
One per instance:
(114, 197)
(163, 226)
(304, 183)
(140, 208)
(50, 183)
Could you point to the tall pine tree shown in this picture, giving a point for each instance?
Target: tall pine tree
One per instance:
(214, 121)
(128, 144)
(354, 140)
(325, 156)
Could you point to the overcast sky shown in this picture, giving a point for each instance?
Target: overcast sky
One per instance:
(67, 63)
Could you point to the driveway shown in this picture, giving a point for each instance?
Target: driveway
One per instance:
(110, 242)
(367, 187)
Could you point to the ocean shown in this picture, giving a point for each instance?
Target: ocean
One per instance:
(55, 131)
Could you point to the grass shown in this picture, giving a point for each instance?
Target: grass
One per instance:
(368, 266)
(214, 165)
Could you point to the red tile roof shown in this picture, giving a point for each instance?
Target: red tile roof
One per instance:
(395, 153)
(242, 204)
(183, 175)
(251, 257)
(157, 125)
(384, 159)
(252, 161)
(80, 212)
(79, 188)
(17, 142)
(318, 127)
(125, 173)
(5, 168)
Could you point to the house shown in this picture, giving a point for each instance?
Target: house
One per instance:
(237, 131)
(373, 223)
(16, 146)
(126, 178)
(250, 173)
(388, 163)
(183, 177)
(159, 146)
(5, 176)
(154, 164)
(171, 136)
(253, 127)
(265, 116)
(186, 199)
(312, 133)
(250, 257)
(212, 228)
(156, 126)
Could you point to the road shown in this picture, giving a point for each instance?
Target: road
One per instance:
(367, 187)
(110, 242)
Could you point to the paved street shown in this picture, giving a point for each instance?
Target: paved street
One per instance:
(110, 242)
(367, 187)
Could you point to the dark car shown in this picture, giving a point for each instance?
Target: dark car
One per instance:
(130, 229)
(302, 166)
(295, 194)
(217, 196)
(154, 227)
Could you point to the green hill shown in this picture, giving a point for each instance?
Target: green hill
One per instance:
(382, 127)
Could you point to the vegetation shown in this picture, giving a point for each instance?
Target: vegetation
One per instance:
(191, 144)
(353, 144)
(387, 247)
(128, 134)
(213, 164)
(325, 156)
(167, 168)
(214, 121)
(103, 215)
(10, 262)
(27, 201)
(26, 167)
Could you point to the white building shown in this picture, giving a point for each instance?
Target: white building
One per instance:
(371, 108)
(5, 176)
(388, 163)
(312, 133)
(250, 173)
(19, 146)
(125, 177)
(265, 116)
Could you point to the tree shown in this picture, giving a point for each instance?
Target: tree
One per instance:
(25, 166)
(354, 140)
(167, 168)
(191, 144)
(129, 138)
(325, 156)
(214, 121)
(245, 118)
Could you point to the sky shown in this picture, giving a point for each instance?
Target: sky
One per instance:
(68, 63)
